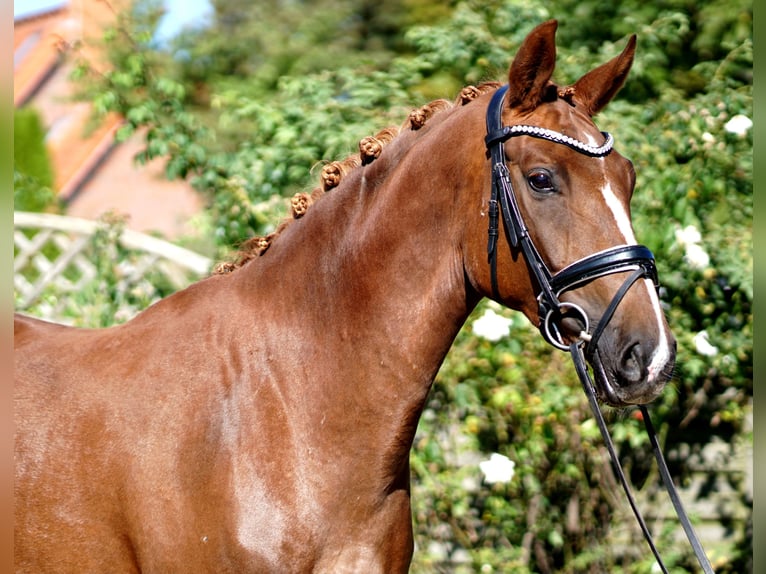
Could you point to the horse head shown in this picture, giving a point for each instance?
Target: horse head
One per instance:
(567, 256)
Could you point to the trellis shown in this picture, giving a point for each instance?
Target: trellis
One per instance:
(55, 254)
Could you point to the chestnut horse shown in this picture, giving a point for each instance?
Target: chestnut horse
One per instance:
(261, 419)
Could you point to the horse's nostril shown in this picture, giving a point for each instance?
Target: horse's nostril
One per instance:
(633, 366)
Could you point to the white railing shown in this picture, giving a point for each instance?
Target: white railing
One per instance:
(56, 254)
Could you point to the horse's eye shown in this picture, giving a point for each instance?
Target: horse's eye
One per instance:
(540, 180)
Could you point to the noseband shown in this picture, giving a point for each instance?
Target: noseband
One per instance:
(636, 259)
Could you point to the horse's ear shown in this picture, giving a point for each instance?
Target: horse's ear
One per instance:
(597, 88)
(532, 67)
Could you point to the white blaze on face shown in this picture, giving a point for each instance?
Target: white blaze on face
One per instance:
(661, 354)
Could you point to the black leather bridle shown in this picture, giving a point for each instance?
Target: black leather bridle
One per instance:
(635, 259)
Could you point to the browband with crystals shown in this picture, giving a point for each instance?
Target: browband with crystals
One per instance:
(507, 132)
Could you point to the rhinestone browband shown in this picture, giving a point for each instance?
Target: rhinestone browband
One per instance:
(556, 137)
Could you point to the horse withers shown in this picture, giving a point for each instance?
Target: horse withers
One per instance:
(261, 419)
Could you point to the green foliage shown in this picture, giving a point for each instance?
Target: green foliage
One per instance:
(266, 41)
(475, 43)
(248, 120)
(257, 147)
(32, 171)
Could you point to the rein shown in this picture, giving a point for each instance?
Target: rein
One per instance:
(636, 259)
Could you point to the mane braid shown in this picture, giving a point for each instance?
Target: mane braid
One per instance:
(332, 173)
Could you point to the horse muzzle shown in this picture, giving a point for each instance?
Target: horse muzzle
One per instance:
(628, 369)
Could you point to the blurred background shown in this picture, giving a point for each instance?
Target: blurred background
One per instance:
(151, 138)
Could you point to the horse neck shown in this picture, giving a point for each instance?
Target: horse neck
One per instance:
(373, 278)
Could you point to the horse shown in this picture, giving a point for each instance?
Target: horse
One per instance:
(261, 419)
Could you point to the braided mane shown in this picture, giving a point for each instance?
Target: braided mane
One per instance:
(332, 173)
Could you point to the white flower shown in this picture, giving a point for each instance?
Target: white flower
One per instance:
(739, 125)
(688, 235)
(707, 137)
(498, 468)
(703, 346)
(696, 256)
(492, 326)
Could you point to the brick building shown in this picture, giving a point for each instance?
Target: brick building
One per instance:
(92, 173)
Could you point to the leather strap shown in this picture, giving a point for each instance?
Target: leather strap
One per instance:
(691, 535)
(616, 259)
(590, 392)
